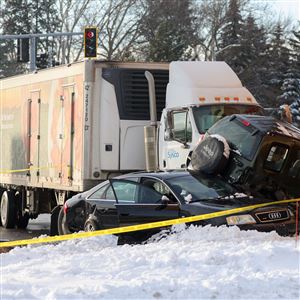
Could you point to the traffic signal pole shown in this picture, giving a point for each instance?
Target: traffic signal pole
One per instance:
(32, 47)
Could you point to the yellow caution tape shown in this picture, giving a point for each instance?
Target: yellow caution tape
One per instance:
(25, 170)
(146, 226)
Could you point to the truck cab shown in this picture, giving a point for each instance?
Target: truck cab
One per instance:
(198, 95)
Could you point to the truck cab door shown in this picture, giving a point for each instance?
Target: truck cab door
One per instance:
(175, 141)
(137, 204)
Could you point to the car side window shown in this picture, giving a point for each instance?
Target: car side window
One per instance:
(159, 187)
(105, 192)
(131, 192)
(276, 157)
(294, 169)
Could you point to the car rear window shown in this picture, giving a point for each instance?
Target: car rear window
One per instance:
(241, 137)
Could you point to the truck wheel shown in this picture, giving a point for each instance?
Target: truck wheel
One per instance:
(22, 221)
(211, 155)
(8, 212)
(91, 225)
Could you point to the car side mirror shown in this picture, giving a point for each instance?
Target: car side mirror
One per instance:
(165, 200)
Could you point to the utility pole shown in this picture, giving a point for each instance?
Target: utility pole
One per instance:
(32, 45)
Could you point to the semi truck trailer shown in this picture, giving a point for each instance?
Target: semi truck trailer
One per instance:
(65, 129)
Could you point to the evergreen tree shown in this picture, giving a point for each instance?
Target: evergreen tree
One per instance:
(230, 38)
(291, 84)
(21, 17)
(278, 55)
(167, 29)
(253, 58)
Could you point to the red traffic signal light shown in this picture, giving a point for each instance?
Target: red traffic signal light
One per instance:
(90, 42)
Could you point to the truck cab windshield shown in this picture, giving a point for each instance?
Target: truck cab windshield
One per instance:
(207, 116)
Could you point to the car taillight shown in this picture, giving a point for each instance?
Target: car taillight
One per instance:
(246, 123)
(65, 208)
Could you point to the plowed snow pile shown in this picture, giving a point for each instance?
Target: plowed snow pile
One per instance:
(193, 263)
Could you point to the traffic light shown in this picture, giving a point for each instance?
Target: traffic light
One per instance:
(90, 42)
(23, 50)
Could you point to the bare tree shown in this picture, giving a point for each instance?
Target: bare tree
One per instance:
(117, 21)
(211, 18)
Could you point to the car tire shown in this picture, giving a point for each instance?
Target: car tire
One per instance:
(211, 155)
(7, 210)
(91, 225)
(62, 225)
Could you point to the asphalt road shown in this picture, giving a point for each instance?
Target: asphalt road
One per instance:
(35, 228)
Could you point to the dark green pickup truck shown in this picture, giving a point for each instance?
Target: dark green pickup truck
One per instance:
(259, 154)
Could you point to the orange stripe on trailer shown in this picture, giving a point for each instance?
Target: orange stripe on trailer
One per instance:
(226, 98)
(201, 99)
(217, 98)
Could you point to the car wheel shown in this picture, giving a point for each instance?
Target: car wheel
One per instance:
(91, 225)
(211, 155)
(62, 225)
(7, 209)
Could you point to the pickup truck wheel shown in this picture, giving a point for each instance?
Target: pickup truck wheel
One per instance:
(7, 209)
(211, 155)
(91, 225)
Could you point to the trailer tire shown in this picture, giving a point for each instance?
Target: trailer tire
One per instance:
(22, 220)
(211, 155)
(8, 211)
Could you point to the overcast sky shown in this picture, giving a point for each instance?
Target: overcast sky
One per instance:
(287, 7)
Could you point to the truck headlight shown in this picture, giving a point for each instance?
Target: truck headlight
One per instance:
(240, 220)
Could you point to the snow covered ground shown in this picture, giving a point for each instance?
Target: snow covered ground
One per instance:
(193, 263)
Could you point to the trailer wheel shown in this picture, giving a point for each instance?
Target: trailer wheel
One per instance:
(22, 220)
(8, 212)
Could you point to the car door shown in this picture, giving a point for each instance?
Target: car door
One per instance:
(137, 204)
(104, 201)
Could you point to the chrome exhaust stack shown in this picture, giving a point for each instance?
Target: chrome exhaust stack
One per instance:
(150, 132)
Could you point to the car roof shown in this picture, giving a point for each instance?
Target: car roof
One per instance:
(160, 175)
(268, 125)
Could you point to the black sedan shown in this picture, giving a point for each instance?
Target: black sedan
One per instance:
(148, 197)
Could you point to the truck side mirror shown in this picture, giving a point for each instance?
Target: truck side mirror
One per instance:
(169, 126)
